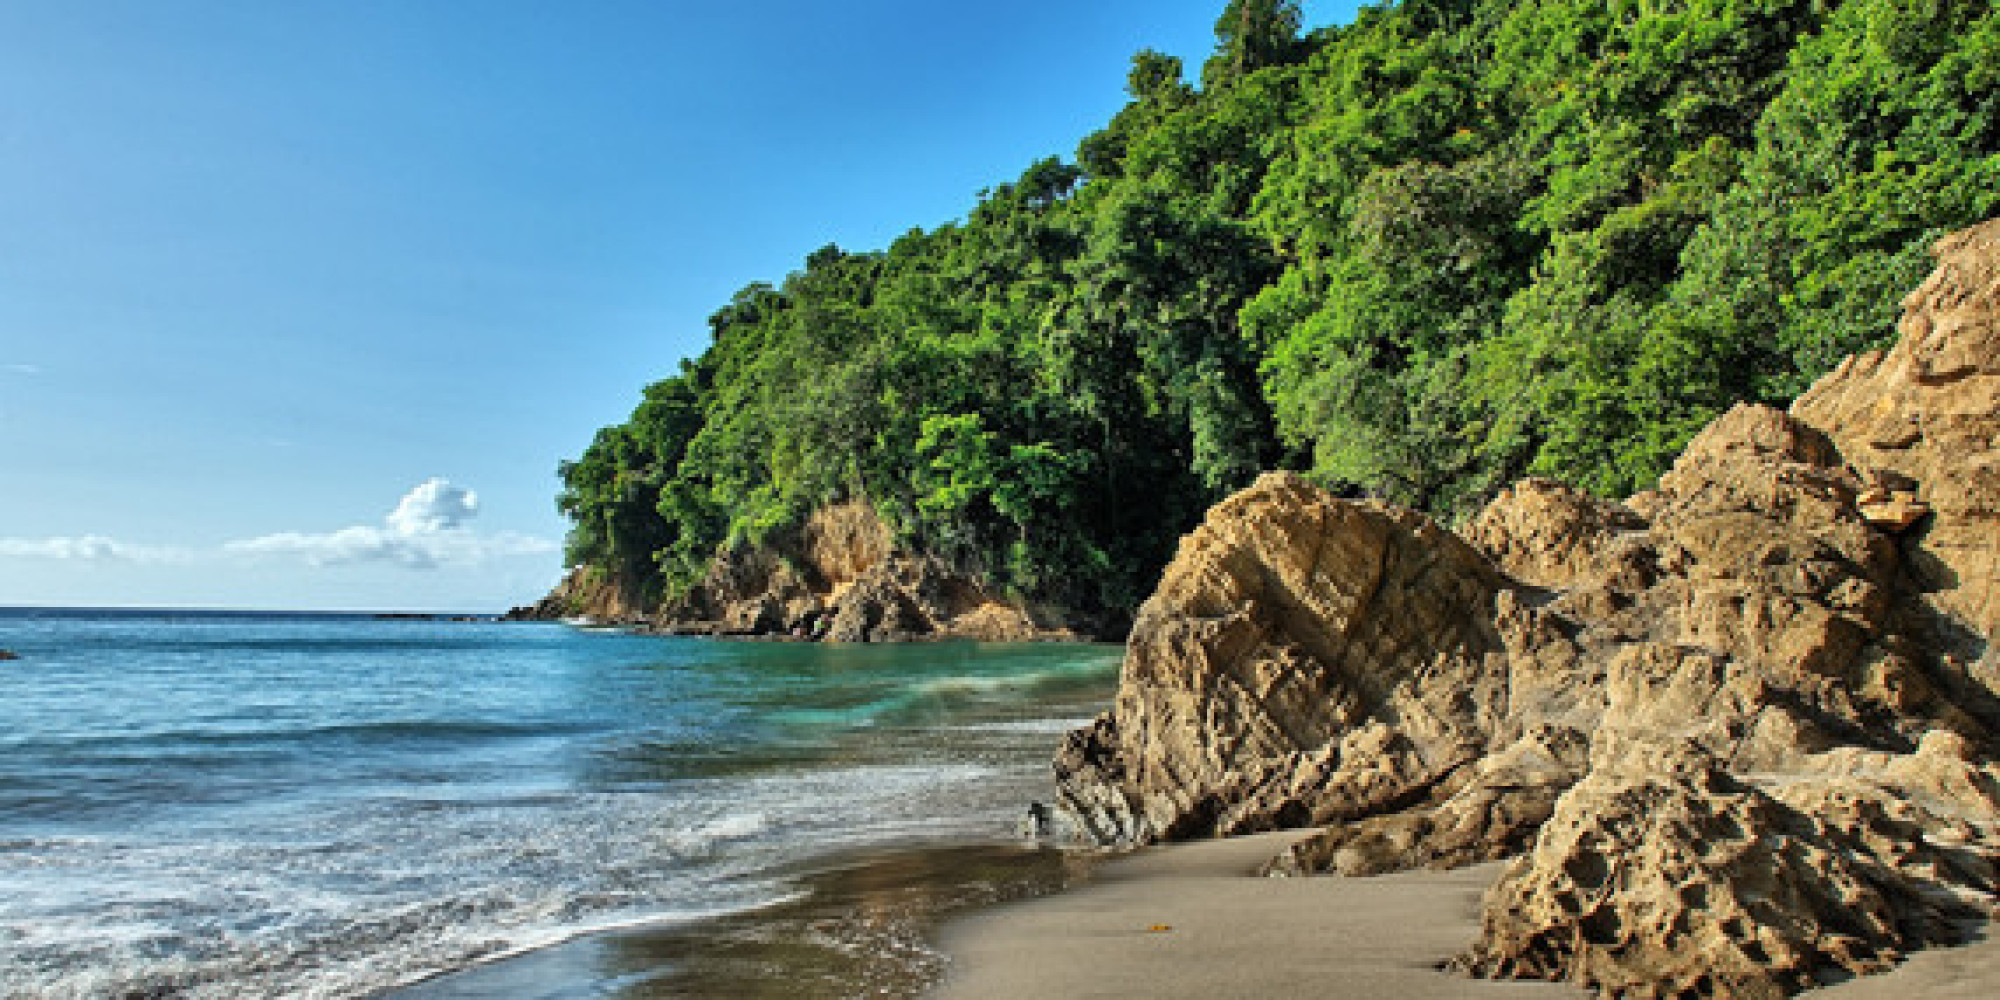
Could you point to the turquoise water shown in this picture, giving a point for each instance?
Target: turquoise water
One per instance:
(330, 806)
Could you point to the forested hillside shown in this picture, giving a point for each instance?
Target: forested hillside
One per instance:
(1415, 257)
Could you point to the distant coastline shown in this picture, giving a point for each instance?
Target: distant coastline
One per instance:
(33, 610)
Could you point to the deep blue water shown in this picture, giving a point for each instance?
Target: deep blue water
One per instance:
(221, 805)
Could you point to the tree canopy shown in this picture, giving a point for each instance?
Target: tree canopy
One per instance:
(1414, 257)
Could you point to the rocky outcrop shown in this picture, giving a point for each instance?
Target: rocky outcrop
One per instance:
(1664, 873)
(588, 593)
(1737, 731)
(839, 578)
(1261, 678)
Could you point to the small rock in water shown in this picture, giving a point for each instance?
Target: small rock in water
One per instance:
(1035, 823)
(8, 654)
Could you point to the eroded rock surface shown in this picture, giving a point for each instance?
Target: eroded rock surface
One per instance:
(1737, 731)
(843, 580)
(840, 578)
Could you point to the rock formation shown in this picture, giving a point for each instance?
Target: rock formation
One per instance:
(839, 578)
(587, 593)
(1737, 732)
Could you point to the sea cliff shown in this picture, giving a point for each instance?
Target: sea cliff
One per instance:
(1735, 734)
(840, 578)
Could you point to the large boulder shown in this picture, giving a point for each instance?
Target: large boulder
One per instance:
(1736, 731)
(1258, 677)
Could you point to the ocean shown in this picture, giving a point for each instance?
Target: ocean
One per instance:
(299, 805)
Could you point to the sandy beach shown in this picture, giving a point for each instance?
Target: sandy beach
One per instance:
(1229, 934)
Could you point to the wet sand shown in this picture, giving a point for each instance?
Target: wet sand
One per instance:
(861, 926)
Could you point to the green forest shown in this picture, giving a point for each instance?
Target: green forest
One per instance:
(1414, 257)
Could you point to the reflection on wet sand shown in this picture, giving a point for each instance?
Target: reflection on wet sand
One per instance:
(861, 926)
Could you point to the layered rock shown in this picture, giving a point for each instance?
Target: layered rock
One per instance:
(839, 577)
(1737, 731)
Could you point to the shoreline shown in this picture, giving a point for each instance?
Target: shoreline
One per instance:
(990, 919)
(859, 922)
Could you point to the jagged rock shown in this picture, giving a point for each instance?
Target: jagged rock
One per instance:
(1551, 535)
(1662, 874)
(874, 610)
(1892, 510)
(1496, 815)
(1738, 730)
(1923, 412)
(839, 577)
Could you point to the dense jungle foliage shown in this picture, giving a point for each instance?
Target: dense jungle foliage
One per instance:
(1417, 256)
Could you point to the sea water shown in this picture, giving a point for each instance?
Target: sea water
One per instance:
(230, 805)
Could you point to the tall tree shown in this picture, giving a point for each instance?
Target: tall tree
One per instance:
(1250, 35)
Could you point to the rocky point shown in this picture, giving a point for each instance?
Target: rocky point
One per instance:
(1736, 733)
(839, 577)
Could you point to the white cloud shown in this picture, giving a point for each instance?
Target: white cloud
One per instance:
(426, 529)
(434, 506)
(89, 548)
(20, 369)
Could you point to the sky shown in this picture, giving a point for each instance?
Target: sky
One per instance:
(301, 303)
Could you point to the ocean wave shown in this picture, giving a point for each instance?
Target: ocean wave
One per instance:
(148, 745)
(942, 700)
(324, 827)
(1031, 727)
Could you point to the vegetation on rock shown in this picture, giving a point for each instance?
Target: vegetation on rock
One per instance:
(1413, 257)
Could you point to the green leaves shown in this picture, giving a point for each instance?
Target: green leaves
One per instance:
(1415, 256)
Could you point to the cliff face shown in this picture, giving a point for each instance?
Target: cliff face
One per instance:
(839, 578)
(1737, 732)
(842, 579)
(588, 594)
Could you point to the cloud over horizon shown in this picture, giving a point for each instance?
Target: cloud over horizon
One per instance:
(426, 529)
(90, 548)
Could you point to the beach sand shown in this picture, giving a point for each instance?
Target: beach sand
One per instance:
(1230, 934)
(1971, 972)
(864, 925)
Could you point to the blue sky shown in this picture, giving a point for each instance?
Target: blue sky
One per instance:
(301, 302)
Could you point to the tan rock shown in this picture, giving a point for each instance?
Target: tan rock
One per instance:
(1547, 534)
(1739, 730)
(1661, 874)
(1259, 678)
(588, 593)
(1926, 411)
(841, 577)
